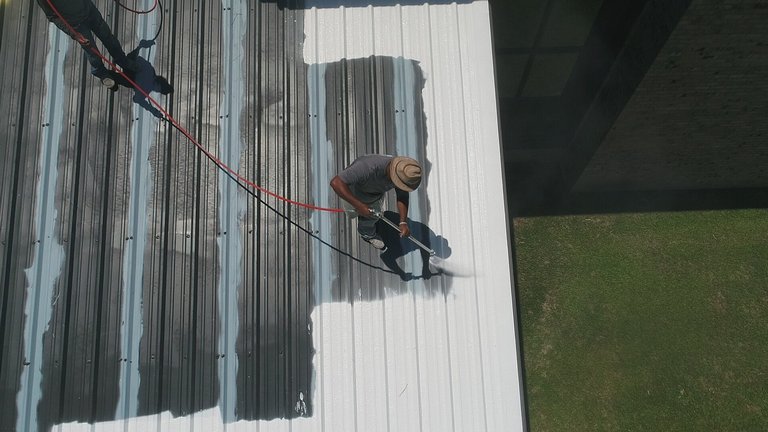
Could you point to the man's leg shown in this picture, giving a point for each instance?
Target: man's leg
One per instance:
(84, 37)
(102, 31)
(366, 227)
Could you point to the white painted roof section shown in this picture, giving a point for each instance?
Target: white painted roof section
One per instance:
(430, 364)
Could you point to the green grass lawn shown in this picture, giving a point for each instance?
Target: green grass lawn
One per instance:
(645, 322)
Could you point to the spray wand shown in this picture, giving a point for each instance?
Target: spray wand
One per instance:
(392, 224)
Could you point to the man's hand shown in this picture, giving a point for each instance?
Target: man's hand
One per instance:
(82, 40)
(404, 230)
(364, 211)
(343, 191)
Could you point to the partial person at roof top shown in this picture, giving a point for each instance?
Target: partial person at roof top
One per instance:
(86, 21)
(363, 185)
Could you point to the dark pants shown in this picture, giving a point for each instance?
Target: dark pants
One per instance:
(92, 26)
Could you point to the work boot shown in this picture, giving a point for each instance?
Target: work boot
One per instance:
(109, 82)
(374, 241)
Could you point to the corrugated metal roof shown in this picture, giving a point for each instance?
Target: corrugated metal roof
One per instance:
(143, 289)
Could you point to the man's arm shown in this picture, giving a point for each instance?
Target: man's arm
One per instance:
(402, 209)
(143, 102)
(343, 191)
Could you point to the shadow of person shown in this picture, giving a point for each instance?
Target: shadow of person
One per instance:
(398, 247)
(146, 78)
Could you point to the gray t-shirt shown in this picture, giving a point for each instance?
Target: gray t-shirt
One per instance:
(367, 177)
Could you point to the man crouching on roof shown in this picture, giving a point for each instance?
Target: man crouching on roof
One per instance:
(362, 186)
(83, 22)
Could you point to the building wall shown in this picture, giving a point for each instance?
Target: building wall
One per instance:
(696, 119)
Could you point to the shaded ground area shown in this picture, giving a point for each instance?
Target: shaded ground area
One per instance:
(660, 100)
(645, 321)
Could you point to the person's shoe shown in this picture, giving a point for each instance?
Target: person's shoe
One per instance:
(108, 82)
(374, 241)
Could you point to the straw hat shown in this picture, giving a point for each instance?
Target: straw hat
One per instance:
(405, 173)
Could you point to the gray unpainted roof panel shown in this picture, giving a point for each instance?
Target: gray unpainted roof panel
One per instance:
(143, 289)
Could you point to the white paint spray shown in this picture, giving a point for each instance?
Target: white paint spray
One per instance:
(406, 140)
(322, 154)
(232, 203)
(141, 175)
(49, 253)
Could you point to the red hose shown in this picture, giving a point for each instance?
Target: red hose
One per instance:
(173, 121)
